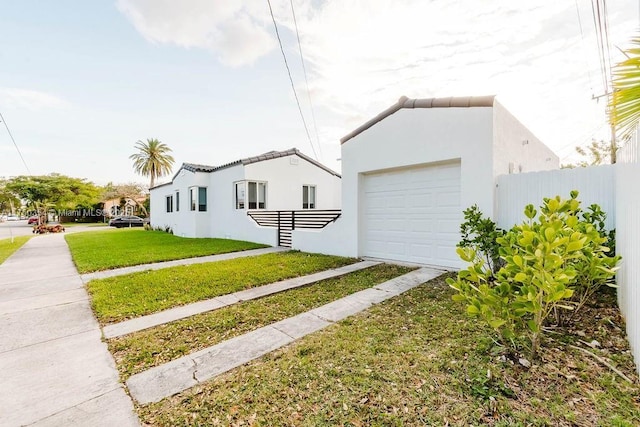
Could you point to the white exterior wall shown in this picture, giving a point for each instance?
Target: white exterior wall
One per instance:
(185, 222)
(230, 223)
(409, 137)
(285, 177)
(596, 184)
(628, 241)
(516, 149)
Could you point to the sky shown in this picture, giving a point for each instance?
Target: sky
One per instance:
(82, 81)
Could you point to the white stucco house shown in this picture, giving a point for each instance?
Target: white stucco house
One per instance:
(409, 172)
(217, 201)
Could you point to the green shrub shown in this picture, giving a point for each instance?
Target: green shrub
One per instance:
(480, 234)
(545, 261)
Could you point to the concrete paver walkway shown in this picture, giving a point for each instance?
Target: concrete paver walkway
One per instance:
(172, 314)
(187, 261)
(173, 377)
(54, 368)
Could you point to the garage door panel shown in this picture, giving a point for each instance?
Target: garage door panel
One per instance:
(413, 215)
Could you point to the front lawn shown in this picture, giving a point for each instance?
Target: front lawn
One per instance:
(7, 247)
(419, 360)
(107, 249)
(118, 298)
(142, 350)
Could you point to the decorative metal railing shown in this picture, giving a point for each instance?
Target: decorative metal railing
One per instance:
(286, 221)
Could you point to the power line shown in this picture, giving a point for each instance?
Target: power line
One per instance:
(306, 81)
(583, 46)
(304, 122)
(14, 143)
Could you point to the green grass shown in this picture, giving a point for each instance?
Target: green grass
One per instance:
(107, 249)
(142, 350)
(7, 247)
(415, 360)
(122, 297)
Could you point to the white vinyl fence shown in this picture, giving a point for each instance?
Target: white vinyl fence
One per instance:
(616, 188)
(628, 241)
(596, 184)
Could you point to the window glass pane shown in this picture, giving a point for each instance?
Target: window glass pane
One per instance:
(240, 195)
(202, 199)
(305, 197)
(262, 195)
(253, 195)
(192, 197)
(169, 203)
(177, 201)
(312, 197)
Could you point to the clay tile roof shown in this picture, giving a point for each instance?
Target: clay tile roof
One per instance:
(276, 154)
(194, 167)
(404, 102)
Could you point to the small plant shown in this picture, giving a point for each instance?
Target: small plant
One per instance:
(544, 259)
(480, 234)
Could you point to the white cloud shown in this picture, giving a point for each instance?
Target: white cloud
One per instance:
(234, 30)
(30, 99)
(363, 55)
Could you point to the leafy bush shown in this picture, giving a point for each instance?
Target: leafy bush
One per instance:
(545, 261)
(480, 234)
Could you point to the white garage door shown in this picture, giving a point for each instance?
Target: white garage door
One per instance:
(413, 215)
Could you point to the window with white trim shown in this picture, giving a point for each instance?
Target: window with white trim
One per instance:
(198, 197)
(239, 195)
(169, 203)
(250, 195)
(257, 195)
(177, 201)
(308, 197)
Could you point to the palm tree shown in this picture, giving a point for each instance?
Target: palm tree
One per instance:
(153, 159)
(624, 105)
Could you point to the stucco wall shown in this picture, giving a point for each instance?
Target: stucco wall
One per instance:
(287, 175)
(228, 222)
(516, 148)
(185, 222)
(410, 137)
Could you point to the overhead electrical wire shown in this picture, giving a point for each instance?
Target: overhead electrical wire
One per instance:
(295, 94)
(584, 47)
(306, 81)
(14, 143)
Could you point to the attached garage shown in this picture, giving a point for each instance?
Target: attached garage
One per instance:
(412, 214)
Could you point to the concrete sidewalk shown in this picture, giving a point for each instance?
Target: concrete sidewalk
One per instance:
(54, 368)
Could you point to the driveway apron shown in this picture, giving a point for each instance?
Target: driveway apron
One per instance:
(54, 367)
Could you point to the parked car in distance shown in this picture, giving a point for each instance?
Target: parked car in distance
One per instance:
(32, 220)
(126, 221)
(13, 218)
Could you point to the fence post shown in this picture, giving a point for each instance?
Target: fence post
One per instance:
(278, 228)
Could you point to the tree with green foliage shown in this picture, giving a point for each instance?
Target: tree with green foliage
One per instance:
(596, 153)
(624, 104)
(152, 159)
(9, 202)
(54, 191)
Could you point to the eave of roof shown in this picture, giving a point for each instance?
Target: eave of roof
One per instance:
(194, 167)
(404, 102)
(274, 155)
